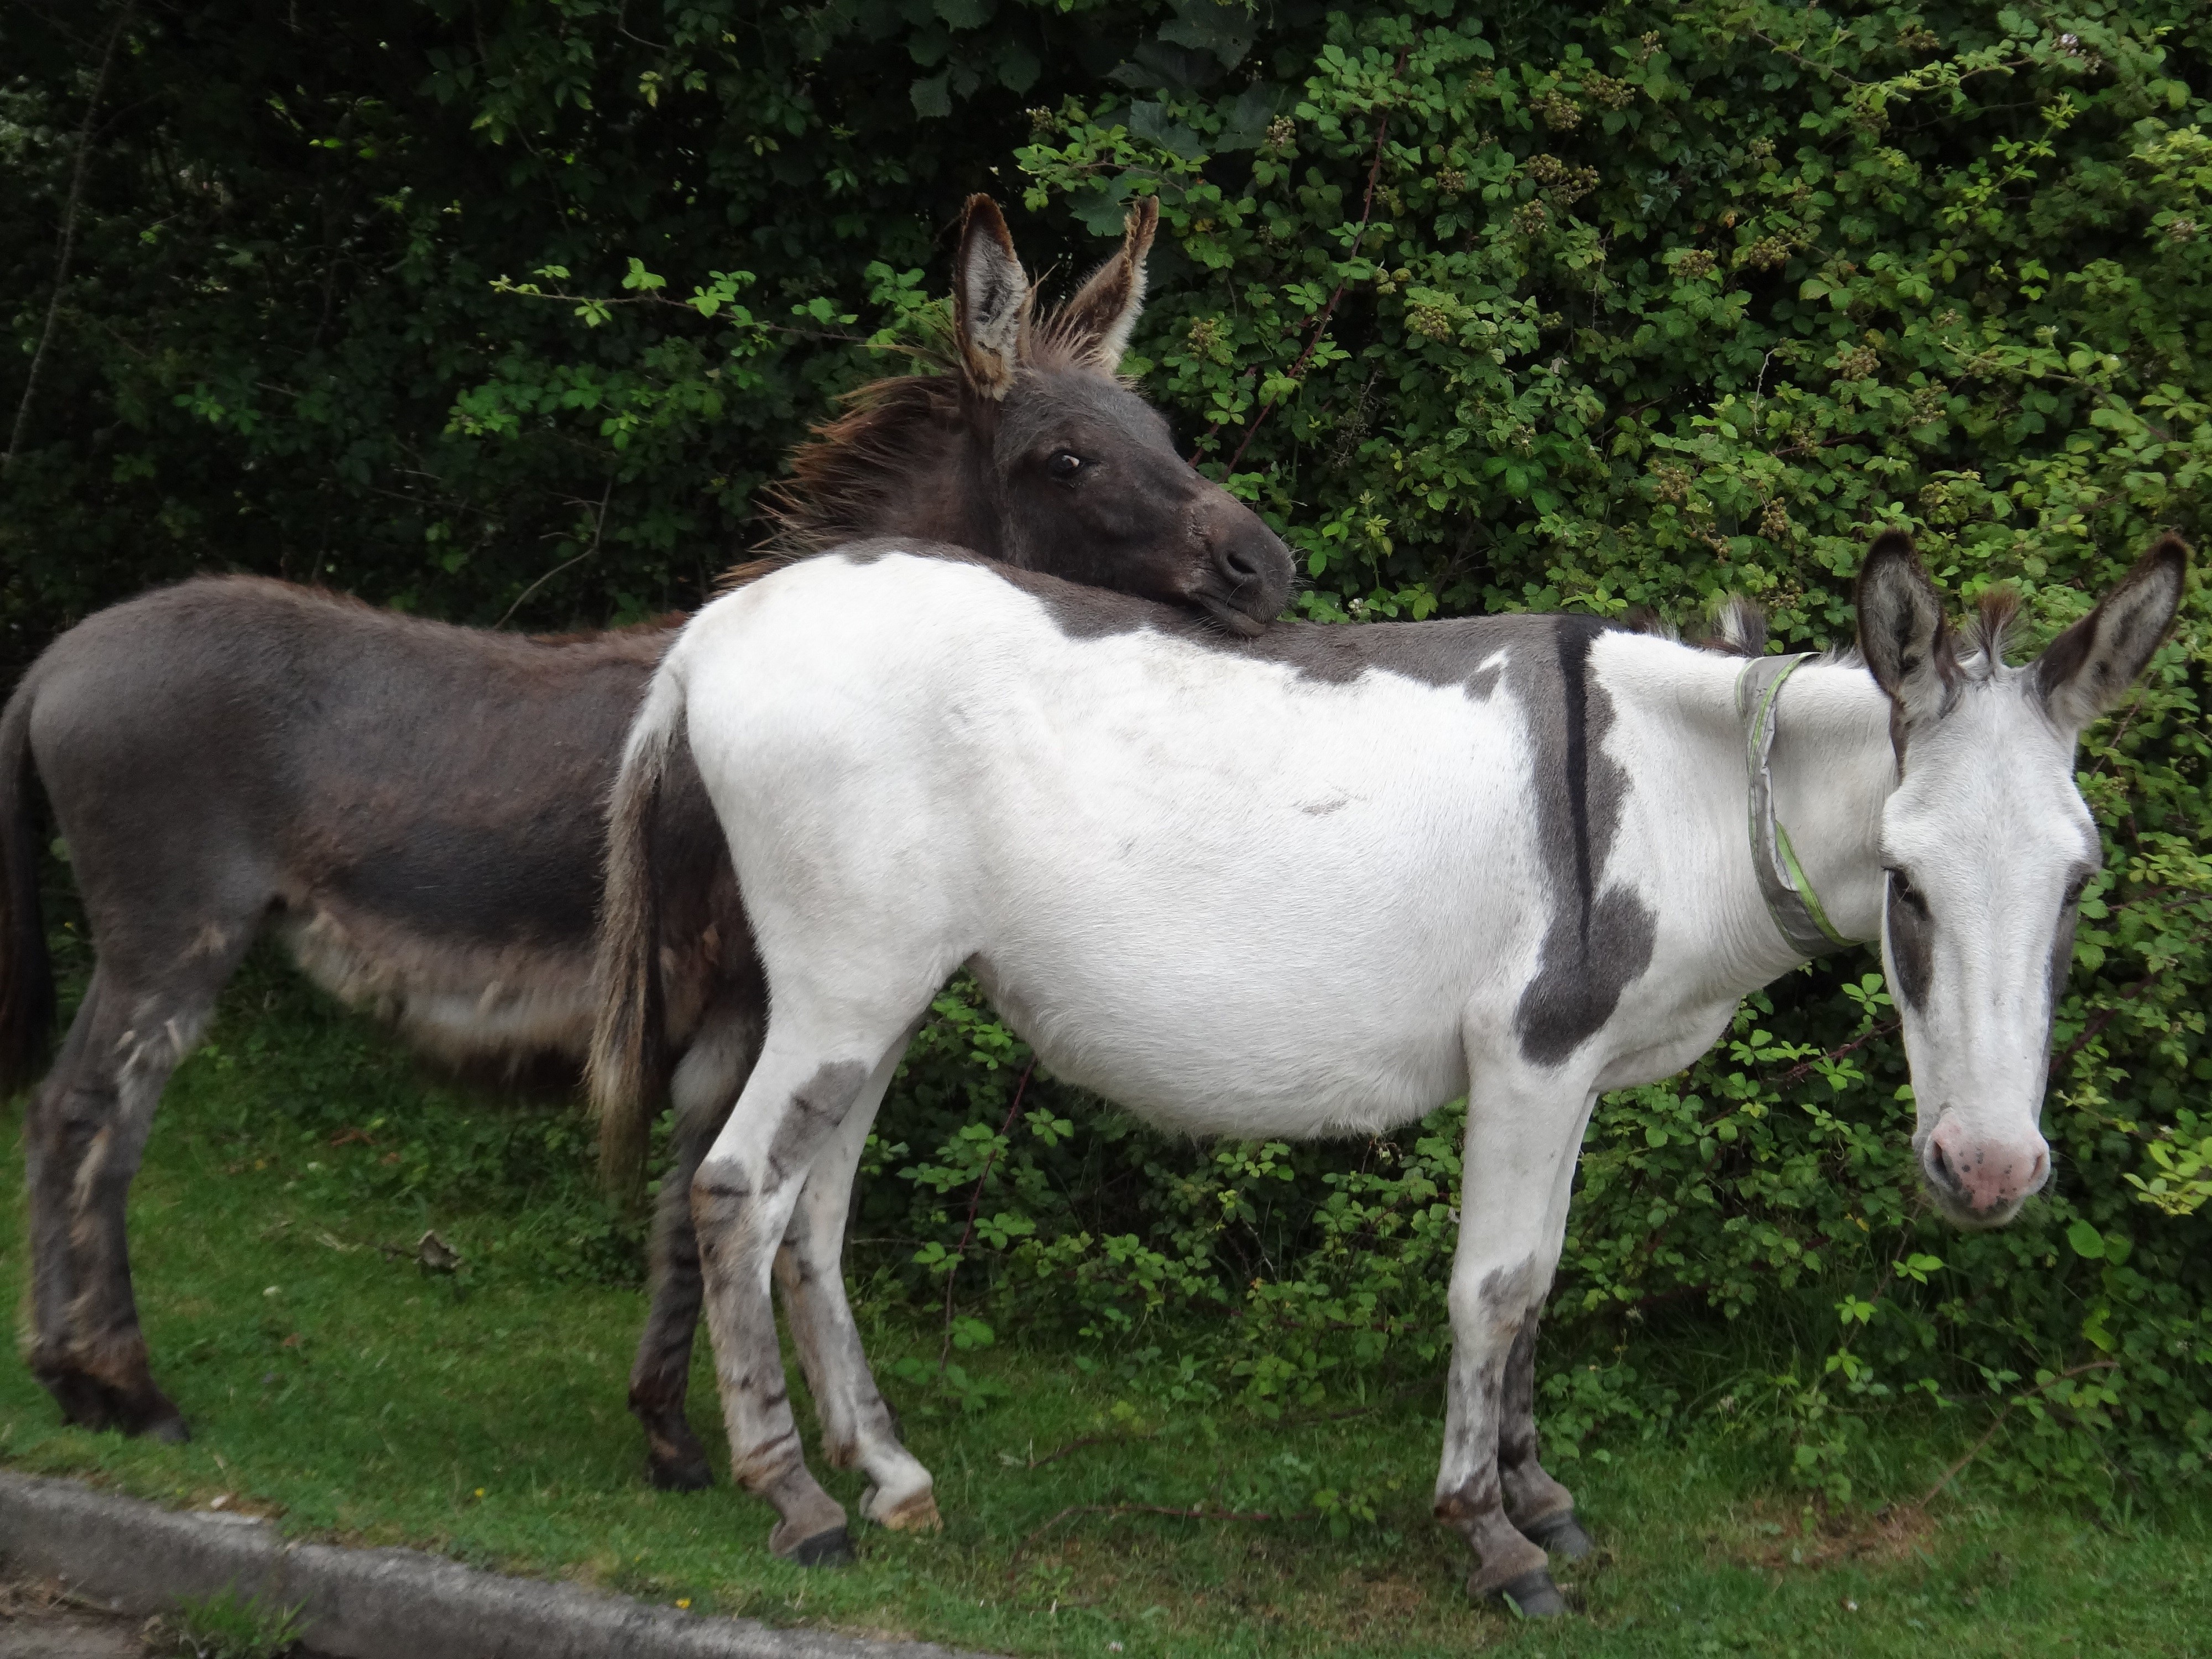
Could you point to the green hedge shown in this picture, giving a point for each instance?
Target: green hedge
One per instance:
(1677, 310)
(1624, 305)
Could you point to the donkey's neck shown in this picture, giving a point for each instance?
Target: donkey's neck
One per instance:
(944, 496)
(1833, 768)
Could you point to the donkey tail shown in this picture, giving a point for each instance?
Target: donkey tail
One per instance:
(26, 976)
(626, 1065)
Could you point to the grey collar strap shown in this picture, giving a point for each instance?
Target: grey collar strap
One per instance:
(1789, 897)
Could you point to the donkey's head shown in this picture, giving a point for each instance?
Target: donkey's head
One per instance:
(1988, 845)
(1029, 449)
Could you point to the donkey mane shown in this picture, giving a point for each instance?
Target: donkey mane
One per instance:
(1735, 627)
(842, 476)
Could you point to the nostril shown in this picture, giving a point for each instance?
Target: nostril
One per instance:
(1940, 1166)
(1239, 564)
(2039, 1173)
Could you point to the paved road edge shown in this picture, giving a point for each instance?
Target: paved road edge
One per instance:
(369, 1604)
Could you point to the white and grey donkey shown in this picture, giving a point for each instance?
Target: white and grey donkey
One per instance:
(1321, 881)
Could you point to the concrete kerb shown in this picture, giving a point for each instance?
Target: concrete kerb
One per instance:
(139, 1559)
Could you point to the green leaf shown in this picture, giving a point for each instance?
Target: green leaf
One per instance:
(931, 101)
(965, 13)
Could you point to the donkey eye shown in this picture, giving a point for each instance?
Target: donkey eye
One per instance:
(1064, 464)
(2074, 891)
(1902, 889)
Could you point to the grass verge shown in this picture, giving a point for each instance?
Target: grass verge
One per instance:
(335, 1383)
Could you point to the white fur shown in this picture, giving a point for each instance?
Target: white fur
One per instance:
(1239, 901)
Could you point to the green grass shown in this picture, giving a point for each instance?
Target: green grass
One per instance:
(331, 1383)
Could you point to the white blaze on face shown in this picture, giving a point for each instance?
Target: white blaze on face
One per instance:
(1988, 844)
(1987, 841)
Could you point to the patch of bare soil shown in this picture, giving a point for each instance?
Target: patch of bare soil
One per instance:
(39, 1620)
(1781, 1536)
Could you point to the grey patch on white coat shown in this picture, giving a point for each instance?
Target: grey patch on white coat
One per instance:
(1599, 939)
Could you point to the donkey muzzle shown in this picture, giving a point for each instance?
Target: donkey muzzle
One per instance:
(1981, 1180)
(1249, 573)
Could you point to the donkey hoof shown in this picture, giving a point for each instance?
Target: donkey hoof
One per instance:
(678, 1473)
(833, 1548)
(170, 1430)
(1532, 1596)
(1560, 1533)
(84, 1403)
(916, 1512)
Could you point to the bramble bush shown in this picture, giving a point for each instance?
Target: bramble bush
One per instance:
(1483, 309)
(1677, 311)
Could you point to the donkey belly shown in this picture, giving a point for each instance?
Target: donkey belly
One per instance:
(460, 1000)
(1284, 930)
(1292, 1059)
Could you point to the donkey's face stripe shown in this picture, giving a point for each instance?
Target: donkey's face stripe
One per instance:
(2062, 964)
(1909, 932)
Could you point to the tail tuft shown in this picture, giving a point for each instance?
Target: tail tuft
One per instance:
(627, 1061)
(27, 976)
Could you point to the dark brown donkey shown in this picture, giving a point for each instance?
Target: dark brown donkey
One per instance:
(416, 808)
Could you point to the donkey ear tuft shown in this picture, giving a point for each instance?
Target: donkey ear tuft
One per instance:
(991, 300)
(1093, 327)
(2087, 670)
(1901, 630)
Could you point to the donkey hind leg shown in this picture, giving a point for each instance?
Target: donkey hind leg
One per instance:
(705, 1086)
(858, 1427)
(1541, 1510)
(1519, 1146)
(53, 1148)
(90, 1123)
(743, 1200)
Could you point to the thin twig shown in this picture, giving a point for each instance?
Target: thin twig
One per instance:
(2095, 1027)
(1198, 1513)
(1804, 1069)
(1087, 1440)
(1321, 322)
(975, 1198)
(1975, 1450)
(598, 532)
(1800, 59)
(68, 239)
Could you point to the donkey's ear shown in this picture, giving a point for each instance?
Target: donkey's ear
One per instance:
(1901, 631)
(991, 300)
(1094, 326)
(2089, 667)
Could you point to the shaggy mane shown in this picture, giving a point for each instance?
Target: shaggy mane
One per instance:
(1992, 621)
(841, 477)
(1736, 628)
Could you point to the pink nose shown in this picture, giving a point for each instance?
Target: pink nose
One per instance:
(1984, 1174)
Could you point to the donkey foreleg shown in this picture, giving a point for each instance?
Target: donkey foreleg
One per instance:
(706, 1086)
(1518, 1144)
(858, 1428)
(742, 1203)
(1541, 1510)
